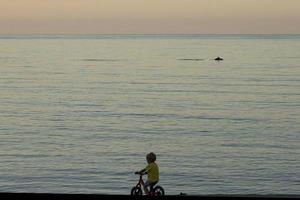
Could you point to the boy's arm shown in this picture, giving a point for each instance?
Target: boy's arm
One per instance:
(145, 170)
(141, 171)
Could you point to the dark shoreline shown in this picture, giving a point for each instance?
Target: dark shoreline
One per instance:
(57, 196)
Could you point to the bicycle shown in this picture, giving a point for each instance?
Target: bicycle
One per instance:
(137, 190)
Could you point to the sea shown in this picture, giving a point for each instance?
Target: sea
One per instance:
(79, 113)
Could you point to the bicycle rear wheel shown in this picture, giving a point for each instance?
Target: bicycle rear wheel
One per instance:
(159, 191)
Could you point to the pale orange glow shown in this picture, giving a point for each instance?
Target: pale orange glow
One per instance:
(149, 16)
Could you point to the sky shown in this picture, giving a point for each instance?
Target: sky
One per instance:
(149, 16)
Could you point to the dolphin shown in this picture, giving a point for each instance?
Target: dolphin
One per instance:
(219, 59)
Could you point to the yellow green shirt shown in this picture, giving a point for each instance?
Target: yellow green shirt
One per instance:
(153, 172)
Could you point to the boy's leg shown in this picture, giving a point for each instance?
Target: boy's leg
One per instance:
(146, 185)
(152, 186)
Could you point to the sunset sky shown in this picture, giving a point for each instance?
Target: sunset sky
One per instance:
(149, 16)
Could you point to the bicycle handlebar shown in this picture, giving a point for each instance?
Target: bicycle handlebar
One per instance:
(143, 173)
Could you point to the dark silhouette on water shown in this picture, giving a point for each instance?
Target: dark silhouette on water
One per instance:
(191, 59)
(219, 59)
(199, 59)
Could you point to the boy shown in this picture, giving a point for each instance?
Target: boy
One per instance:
(152, 171)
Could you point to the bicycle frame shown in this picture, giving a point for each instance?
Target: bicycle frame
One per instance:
(141, 183)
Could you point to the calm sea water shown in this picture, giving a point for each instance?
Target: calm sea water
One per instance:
(78, 114)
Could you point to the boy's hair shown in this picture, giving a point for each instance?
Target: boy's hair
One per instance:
(151, 156)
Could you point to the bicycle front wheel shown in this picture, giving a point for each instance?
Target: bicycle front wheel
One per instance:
(136, 191)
